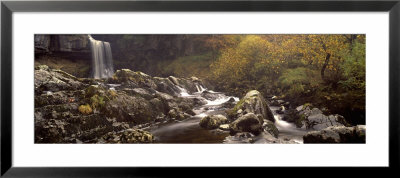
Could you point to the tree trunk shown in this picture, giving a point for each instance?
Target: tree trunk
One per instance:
(328, 56)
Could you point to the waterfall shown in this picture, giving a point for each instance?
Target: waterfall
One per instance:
(102, 66)
(200, 88)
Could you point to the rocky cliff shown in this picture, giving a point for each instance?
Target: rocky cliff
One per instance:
(61, 43)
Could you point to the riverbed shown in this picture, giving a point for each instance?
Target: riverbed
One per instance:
(189, 131)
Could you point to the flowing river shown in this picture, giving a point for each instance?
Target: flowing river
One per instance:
(189, 131)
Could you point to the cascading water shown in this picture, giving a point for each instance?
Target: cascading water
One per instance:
(189, 131)
(286, 129)
(102, 59)
(200, 88)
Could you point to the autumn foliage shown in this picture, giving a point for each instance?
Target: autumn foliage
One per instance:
(327, 70)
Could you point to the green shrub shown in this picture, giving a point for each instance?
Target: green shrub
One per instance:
(298, 80)
(97, 101)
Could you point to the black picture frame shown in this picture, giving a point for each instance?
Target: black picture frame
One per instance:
(8, 7)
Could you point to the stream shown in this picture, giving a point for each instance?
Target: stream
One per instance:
(189, 130)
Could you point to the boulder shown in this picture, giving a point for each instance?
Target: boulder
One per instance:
(247, 123)
(213, 122)
(174, 80)
(167, 86)
(299, 108)
(321, 121)
(47, 79)
(131, 79)
(337, 134)
(254, 102)
(229, 104)
(270, 127)
(134, 109)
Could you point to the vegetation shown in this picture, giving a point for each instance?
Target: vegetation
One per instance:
(85, 109)
(326, 70)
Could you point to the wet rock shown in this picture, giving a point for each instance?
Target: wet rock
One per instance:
(254, 102)
(165, 85)
(337, 134)
(178, 114)
(229, 104)
(270, 127)
(174, 80)
(293, 116)
(199, 101)
(129, 136)
(247, 123)
(131, 109)
(213, 122)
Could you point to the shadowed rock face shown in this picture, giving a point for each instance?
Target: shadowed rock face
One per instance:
(75, 110)
(337, 134)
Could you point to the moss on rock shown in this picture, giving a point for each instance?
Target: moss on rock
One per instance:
(85, 109)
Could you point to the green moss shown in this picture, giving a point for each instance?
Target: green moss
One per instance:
(112, 94)
(299, 122)
(271, 128)
(91, 91)
(97, 101)
(85, 109)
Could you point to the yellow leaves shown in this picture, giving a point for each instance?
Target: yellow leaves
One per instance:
(272, 53)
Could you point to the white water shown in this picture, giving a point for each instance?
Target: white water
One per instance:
(286, 129)
(200, 88)
(184, 92)
(102, 66)
(189, 131)
(221, 99)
